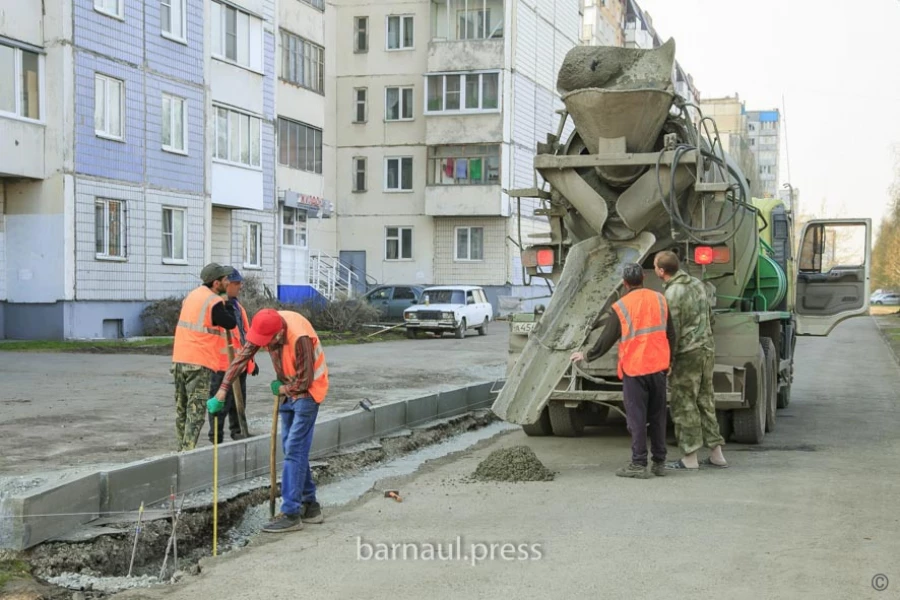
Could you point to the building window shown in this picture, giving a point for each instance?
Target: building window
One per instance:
(463, 93)
(469, 243)
(398, 174)
(109, 228)
(237, 137)
(174, 124)
(253, 246)
(398, 243)
(236, 36)
(360, 34)
(360, 95)
(302, 62)
(172, 18)
(768, 140)
(467, 20)
(293, 227)
(398, 104)
(359, 174)
(299, 146)
(320, 4)
(399, 32)
(109, 103)
(464, 165)
(113, 8)
(20, 82)
(174, 235)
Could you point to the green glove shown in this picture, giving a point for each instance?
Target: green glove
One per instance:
(213, 405)
(275, 385)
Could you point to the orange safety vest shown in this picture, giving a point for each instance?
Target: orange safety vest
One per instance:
(197, 342)
(643, 347)
(236, 342)
(298, 326)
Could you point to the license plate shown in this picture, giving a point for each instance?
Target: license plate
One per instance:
(523, 328)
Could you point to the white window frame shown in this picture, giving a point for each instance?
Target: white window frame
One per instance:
(165, 29)
(403, 21)
(176, 100)
(400, 189)
(298, 232)
(249, 227)
(462, 110)
(17, 85)
(403, 105)
(118, 13)
(123, 229)
(400, 247)
(245, 22)
(364, 102)
(357, 161)
(174, 260)
(357, 30)
(456, 248)
(230, 111)
(107, 81)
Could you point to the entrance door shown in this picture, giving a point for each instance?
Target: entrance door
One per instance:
(832, 282)
(356, 261)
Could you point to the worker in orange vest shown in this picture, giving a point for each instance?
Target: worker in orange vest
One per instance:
(236, 420)
(301, 384)
(198, 351)
(641, 323)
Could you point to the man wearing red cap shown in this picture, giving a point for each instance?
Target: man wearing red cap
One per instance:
(302, 385)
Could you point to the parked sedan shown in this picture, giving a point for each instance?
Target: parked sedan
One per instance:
(891, 299)
(452, 309)
(392, 300)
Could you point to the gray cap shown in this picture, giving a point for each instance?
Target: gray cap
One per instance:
(214, 271)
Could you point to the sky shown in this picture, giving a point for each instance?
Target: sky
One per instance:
(837, 67)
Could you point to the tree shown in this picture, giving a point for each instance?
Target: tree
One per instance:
(886, 249)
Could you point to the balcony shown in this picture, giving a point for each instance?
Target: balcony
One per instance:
(463, 180)
(466, 35)
(22, 148)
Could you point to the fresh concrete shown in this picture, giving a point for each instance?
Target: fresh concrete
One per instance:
(120, 490)
(812, 513)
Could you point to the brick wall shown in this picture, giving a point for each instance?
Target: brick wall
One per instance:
(168, 169)
(239, 220)
(221, 235)
(492, 270)
(169, 57)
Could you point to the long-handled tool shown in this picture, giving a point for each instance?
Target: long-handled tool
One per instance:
(272, 448)
(137, 533)
(236, 388)
(173, 537)
(215, 484)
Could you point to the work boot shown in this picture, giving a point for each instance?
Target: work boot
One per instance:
(658, 468)
(633, 470)
(311, 512)
(284, 523)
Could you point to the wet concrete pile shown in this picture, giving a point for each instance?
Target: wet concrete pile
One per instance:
(515, 464)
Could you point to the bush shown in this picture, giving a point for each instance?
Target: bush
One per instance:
(160, 317)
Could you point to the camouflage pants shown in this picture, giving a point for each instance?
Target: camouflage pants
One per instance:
(692, 401)
(191, 394)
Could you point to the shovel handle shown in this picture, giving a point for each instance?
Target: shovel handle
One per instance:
(272, 448)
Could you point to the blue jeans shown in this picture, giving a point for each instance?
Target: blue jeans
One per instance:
(298, 419)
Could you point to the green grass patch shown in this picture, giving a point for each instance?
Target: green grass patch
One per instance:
(12, 569)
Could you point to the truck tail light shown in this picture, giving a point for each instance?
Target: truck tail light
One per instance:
(545, 257)
(707, 255)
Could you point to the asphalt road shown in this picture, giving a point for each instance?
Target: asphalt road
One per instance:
(811, 513)
(63, 410)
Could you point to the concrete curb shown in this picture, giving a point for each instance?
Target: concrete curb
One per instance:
(55, 509)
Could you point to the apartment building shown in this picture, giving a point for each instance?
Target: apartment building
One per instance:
(114, 155)
(603, 22)
(764, 133)
(730, 116)
(439, 106)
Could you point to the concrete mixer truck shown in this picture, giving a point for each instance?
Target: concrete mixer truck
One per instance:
(643, 171)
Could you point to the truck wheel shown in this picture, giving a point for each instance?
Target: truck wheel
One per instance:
(540, 428)
(461, 330)
(566, 422)
(750, 423)
(771, 381)
(483, 329)
(411, 334)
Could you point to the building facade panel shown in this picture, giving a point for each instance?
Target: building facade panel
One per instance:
(121, 38)
(166, 277)
(453, 242)
(178, 59)
(168, 168)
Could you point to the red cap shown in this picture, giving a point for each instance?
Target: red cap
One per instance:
(266, 325)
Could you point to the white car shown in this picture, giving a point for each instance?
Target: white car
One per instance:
(449, 308)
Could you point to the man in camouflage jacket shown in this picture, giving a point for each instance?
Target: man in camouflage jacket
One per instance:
(692, 400)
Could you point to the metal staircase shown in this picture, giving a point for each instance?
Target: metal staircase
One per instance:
(331, 277)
